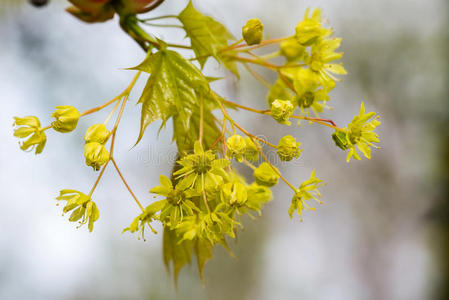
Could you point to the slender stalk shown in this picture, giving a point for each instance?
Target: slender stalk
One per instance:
(160, 18)
(263, 112)
(257, 75)
(98, 178)
(201, 120)
(111, 113)
(276, 170)
(163, 25)
(95, 109)
(203, 191)
(262, 44)
(126, 184)
(179, 46)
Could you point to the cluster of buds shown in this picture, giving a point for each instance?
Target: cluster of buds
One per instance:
(92, 11)
(94, 150)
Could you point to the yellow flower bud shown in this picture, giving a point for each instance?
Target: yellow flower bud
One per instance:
(251, 149)
(97, 133)
(252, 32)
(236, 147)
(30, 126)
(281, 110)
(96, 155)
(288, 148)
(292, 50)
(265, 175)
(234, 193)
(66, 118)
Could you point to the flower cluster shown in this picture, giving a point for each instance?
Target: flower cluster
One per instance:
(204, 198)
(94, 150)
(307, 190)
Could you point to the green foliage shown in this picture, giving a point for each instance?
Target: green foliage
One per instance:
(173, 88)
(207, 36)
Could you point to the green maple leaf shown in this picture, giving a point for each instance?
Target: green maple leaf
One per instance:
(176, 252)
(207, 36)
(173, 89)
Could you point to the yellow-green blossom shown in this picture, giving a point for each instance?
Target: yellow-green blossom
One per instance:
(201, 170)
(178, 202)
(310, 30)
(145, 218)
(281, 110)
(96, 155)
(252, 32)
(24, 127)
(320, 61)
(234, 193)
(236, 147)
(307, 190)
(97, 133)
(84, 209)
(309, 93)
(265, 175)
(292, 50)
(288, 148)
(251, 149)
(66, 118)
(360, 133)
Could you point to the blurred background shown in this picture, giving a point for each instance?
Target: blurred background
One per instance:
(382, 232)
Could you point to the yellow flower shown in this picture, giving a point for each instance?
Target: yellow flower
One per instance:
(281, 110)
(30, 126)
(288, 148)
(307, 190)
(309, 30)
(236, 146)
(322, 54)
(266, 175)
(360, 133)
(82, 205)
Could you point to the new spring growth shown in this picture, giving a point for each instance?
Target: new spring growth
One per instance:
(307, 190)
(66, 118)
(265, 175)
(236, 146)
(360, 133)
(178, 202)
(145, 218)
(281, 110)
(252, 32)
(251, 149)
(84, 210)
(292, 50)
(309, 30)
(96, 155)
(288, 148)
(97, 133)
(234, 193)
(30, 127)
(94, 150)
